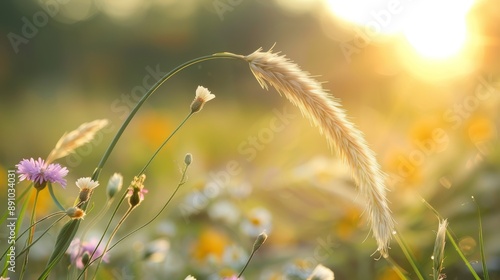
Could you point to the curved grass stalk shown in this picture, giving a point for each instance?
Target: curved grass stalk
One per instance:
(69, 231)
(306, 93)
(143, 99)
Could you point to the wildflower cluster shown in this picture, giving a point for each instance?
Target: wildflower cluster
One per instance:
(230, 228)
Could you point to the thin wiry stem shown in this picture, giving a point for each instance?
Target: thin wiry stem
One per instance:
(399, 271)
(409, 256)
(69, 231)
(26, 250)
(115, 230)
(17, 221)
(132, 113)
(30, 236)
(481, 242)
(164, 142)
(181, 182)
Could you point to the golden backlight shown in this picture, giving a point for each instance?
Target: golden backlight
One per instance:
(438, 29)
(434, 29)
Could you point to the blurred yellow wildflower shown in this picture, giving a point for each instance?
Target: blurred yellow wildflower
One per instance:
(481, 128)
(348, 224)
(211, 244)
(154, 128)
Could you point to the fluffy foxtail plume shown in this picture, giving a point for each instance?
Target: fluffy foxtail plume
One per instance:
(326, 113)
(76, 138)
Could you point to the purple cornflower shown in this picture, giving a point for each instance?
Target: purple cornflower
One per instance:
(80, 252)
(40, 173)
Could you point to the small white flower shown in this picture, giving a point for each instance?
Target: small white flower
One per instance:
(224, 211)
(189, 277)
(234, 256)
(299, 269)
(86, 186)
(241, 190)
(194, 203)
(321, 273)
(167, 228)
(156, 250)
(258, 221)
(203, 95)
(86, 183)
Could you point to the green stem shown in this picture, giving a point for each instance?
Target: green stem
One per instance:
(453, 242)
(163, 144)
(409, 255)
(51, 191)
(19, 221)
(481, 242)
(43, 233)
(97, 218)
(126, 191)
(246, 264)
(122, 198)
(182, 181)
(69, 230)
(467, 263)
(108, 151)
(396, 268)
(18, 198)
(30, 236)
(115, 230)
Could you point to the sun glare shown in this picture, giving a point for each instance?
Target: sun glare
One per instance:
(434, 29)
(438, 30)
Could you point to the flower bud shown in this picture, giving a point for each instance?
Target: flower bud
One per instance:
(136, 191)
(115, 184)
(259, 241)
(75, 213)
(188, 159)
(40, 186)
(85, 258)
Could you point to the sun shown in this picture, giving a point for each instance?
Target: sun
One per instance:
(438, 30)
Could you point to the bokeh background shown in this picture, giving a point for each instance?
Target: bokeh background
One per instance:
(419, 78)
